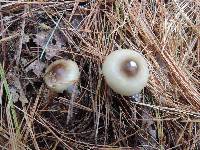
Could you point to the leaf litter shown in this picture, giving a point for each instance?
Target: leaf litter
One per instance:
(16, 89)
(37, 67)
(54, 47)
(165, 115)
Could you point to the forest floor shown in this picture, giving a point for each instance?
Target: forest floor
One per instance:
(165, 115)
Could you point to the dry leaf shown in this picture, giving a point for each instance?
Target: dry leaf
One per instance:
(51, 52)
(37, 67)
(16, 89)
(54, 45)
(15, 94)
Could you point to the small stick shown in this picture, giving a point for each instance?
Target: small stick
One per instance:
(70, 110)
(52, 33)
(18, 53)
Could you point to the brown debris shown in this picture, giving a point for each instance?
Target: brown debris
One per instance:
(165, 115)
(36, 66)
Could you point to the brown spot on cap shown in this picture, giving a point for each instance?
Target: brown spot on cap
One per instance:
(129, 68)
(57, 72)
(61, 74)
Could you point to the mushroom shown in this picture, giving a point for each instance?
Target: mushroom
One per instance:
(126, 71)
(61, 74)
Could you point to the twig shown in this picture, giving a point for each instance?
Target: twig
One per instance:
(52, 33)
(18, 53)
(70, 110)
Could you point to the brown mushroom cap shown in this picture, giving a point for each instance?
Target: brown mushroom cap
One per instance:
(126, 71)
(61, 74)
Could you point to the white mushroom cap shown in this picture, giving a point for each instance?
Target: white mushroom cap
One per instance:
(126, 71)
(61, 74)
